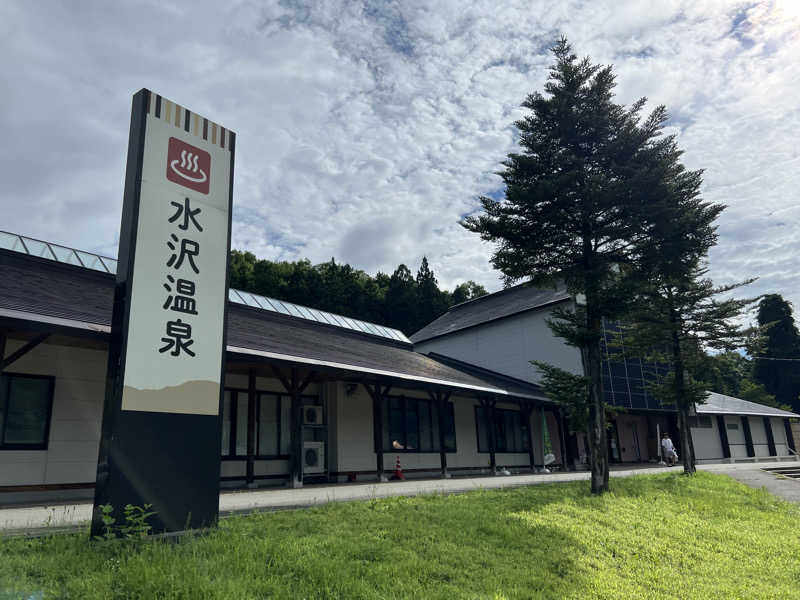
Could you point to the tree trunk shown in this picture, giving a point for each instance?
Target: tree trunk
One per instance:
(687, 447)
(597, 432)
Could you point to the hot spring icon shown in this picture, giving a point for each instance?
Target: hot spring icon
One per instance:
(188, 168)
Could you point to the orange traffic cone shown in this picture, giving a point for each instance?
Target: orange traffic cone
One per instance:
(398, 472)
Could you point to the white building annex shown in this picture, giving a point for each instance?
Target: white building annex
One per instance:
(461, 399)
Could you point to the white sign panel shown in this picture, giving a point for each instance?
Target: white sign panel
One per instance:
(178, 289)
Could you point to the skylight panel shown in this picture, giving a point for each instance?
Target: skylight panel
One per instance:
(37, 248)
(65, 255)
(10, 241)
(91, 261)
(110, 263)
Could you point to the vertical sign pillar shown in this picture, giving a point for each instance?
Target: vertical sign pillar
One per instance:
(160, 441)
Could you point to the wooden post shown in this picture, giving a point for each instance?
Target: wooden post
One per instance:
(441, 399)
(378, 393)
(488, 405)
(526, 408)
(748, 437)
(3, 338)
(294, 387)
(544, 428)
(562, 435)
(251, 427)
(770, 437)
(723, 436)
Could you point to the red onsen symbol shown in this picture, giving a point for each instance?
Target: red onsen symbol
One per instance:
(188, 166)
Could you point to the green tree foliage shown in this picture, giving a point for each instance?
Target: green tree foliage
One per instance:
(780, 378)
(398, 300)
(732, 373)
(577, 206)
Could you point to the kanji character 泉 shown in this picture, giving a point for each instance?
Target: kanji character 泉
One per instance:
(188, 215)
(189, 249)
(178, 338)
(183, 300)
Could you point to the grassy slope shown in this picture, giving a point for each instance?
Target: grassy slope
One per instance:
(663, 536)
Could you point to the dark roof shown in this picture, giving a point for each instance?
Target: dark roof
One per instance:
(721, 404)
(36, 286)
(491, 307)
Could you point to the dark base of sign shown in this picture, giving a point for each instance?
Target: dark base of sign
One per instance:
(165, 460)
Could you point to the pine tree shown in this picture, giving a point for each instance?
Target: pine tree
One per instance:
(576, 209)
(781, 378)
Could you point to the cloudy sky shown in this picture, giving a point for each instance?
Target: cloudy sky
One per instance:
(366, 130)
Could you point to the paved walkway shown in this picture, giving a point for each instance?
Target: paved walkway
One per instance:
(65, 517)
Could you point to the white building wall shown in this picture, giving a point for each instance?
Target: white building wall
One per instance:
(508, 345)
(759, 433)
(74, 438)
(779, 435)
(736, 439)
(707, 443)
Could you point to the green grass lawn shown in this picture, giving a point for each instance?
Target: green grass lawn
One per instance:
(653, 536)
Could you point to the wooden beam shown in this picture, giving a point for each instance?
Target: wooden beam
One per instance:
(723, 436)
(310, 378)
(748, 437)
(282, 378)
(787, 424)
(19, 353)
(770, 437)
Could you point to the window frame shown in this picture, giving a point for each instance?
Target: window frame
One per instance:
(5, 397)
(386, 408)
(496, 421)
(236, 394)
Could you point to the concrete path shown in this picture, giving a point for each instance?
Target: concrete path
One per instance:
(65, 517)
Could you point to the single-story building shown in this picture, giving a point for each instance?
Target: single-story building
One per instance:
(367, 398)
(505, 331)
(463, 401)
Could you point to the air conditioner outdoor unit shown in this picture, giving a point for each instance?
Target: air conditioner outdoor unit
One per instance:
(313, 457)
(312, 415)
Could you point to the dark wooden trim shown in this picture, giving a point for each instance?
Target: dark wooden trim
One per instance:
(45, 487)
(770, 437)
(5, 398)
(20, 352)
(489, 405)
(789, 435)
(377, 393)
(723, 436)
(252, 420)
(748, 437)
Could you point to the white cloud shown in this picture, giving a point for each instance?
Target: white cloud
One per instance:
(365, 131)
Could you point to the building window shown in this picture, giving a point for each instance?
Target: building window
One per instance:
(700, 422)
(412, 425)
(732, 426)
(273, 424)
(512, 433)
(26, 404)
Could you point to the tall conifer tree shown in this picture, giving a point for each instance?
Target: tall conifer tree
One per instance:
(576, 209)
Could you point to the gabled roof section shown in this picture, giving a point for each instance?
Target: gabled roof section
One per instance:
(103, 264)
(51, 295)
(502, 304)
(728, 405)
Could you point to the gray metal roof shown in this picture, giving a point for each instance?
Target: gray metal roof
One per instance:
(728, 405)
(104, 264)
(52, 294)
(491, 307)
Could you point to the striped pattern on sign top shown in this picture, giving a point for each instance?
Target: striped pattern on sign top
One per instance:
(181, 117)
(89, 260)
